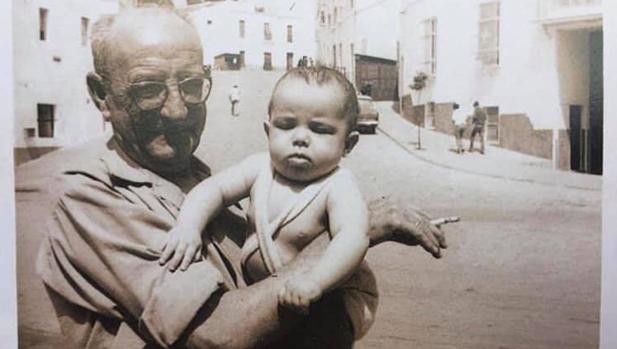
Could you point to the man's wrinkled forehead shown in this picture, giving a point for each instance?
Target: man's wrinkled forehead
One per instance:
(142, 29)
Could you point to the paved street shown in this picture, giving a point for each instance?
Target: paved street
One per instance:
(522, 269)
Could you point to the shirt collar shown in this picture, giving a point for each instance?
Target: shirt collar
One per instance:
(124, 170)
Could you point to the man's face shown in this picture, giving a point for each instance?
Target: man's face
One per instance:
(307, 135)
(155, 56)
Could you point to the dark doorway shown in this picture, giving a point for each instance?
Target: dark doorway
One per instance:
(596, 100)
(576, 146)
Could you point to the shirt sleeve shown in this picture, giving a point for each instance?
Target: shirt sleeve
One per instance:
(101, 253)
(361, 299)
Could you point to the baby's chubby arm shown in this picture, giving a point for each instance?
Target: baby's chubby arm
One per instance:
(348, 221)
(202, 204)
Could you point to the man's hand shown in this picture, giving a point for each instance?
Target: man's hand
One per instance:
(406, 225)
(299, 292)
(183, 247)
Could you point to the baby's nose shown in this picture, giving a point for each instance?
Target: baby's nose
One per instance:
(301, 138)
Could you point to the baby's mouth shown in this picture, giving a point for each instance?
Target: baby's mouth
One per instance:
(299, 159)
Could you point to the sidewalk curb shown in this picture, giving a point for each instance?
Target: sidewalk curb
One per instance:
(417, 155)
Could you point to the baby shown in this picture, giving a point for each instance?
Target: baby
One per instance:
(298, 190)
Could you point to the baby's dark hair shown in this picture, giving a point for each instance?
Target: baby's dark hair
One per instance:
(321, 75)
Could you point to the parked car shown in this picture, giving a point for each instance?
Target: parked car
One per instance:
(368, 118)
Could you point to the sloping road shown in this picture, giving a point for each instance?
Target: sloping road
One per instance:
(522, 269)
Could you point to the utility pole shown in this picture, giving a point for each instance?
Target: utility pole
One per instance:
(419, 83)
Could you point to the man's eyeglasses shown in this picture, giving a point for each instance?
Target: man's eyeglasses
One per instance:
(149, 95)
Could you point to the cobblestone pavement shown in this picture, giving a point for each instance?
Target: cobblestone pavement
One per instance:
(522, 269)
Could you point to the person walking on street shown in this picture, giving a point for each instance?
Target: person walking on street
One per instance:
(234, 98)
(478, 122)
(459, 121)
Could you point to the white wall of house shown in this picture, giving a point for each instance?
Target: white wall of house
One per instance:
(369, 26)
(542, 69)
(218, 25)
(54, 71)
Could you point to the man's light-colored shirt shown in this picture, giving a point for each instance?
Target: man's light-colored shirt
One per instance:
(99, 258)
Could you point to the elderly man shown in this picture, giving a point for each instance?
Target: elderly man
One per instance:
(114, 201)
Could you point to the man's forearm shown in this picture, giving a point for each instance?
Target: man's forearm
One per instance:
(243, 318)
(250, 317)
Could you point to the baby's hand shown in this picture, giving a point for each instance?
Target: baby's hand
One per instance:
(298, 293)
(184, 245)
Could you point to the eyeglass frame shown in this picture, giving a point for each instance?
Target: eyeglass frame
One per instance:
(206, 77)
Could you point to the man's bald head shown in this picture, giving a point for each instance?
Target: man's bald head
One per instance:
(142, 26)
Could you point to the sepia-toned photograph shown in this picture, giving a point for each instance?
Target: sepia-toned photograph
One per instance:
(168, 155)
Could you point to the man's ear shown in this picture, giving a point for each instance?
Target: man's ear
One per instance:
(96, 89)
(267, 126)
(351, 141)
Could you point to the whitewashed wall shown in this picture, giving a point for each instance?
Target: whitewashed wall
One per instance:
(541, 71)
(222, 35)
(54, 71)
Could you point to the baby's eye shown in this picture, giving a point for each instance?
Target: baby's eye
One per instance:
(284, 123)
(322, 128)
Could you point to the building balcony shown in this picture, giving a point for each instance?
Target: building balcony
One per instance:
(570, 14)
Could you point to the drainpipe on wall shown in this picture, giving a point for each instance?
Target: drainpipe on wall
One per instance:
(556, 149)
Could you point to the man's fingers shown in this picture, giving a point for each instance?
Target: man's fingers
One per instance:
(440, 236)
(430, 244)
(428, 237)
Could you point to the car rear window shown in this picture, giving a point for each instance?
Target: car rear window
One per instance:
(366, 105)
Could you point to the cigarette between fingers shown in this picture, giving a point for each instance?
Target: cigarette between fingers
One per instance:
(445, 220)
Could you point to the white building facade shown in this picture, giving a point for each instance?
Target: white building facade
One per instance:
(52, 53)
(349, 27)
(273, 34)
(535, 64)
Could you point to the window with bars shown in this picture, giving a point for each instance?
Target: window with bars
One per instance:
(290, 35)
(45, 120)
(430, 46)
(488, 33)
(241, 28)
(85, 22)
(43, 13)
(267, 32)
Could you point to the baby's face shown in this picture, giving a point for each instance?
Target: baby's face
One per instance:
(307, 135)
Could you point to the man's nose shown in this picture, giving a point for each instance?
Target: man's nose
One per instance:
(174, 107)
(301, 137)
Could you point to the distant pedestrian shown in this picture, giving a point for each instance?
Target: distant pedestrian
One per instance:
(459, 120)
(234, 98)
(478, 124)
(311, 63)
